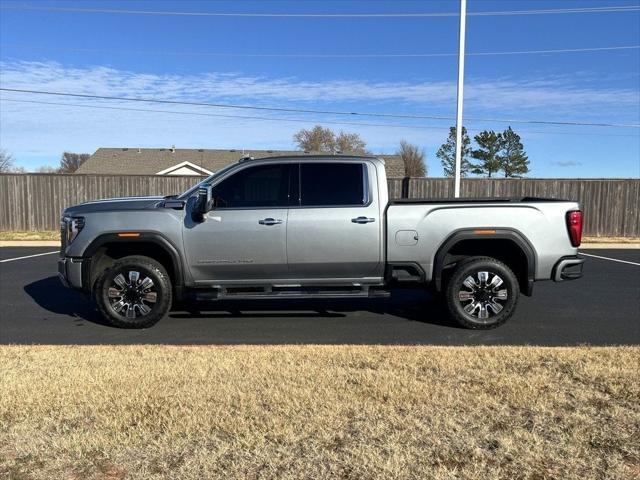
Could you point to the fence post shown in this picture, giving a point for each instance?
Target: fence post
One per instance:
(405, 188)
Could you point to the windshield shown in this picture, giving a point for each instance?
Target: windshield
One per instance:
(206, 181)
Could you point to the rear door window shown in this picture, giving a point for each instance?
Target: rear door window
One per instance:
(333, 184)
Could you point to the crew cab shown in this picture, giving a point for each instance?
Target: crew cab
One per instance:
(314, 226)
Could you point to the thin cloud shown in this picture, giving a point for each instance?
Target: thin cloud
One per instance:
(566, 163)
(504, 94)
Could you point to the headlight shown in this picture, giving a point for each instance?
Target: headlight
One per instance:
(74, 227)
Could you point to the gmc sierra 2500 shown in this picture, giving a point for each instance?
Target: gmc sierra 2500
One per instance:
(314, 226)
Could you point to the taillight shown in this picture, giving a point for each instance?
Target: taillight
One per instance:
(574, 224)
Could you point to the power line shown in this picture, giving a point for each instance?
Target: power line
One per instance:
(561, 50)
(321, 112)
(320, 55)
(552, 11)
(611, 9)
(203, 114)
(289, 120)
(227, 105)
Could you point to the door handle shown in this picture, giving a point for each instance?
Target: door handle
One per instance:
(363, 220)
(270, 221)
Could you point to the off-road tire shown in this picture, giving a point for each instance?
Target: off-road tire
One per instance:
(456, 290)
(147, 269)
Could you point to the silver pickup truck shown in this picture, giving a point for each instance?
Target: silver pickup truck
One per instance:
(314, 226)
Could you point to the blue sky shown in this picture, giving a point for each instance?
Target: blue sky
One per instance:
(172, 57)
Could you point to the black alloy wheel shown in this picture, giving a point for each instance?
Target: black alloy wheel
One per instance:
(482, 293)
(135, 292)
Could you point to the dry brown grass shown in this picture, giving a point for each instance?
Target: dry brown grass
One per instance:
(34, 235)
(319, 412)
(610, 239)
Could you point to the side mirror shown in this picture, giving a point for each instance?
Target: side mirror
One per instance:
(203, 203)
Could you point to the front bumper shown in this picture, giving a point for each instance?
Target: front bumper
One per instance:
(70, 272)
(568, 268)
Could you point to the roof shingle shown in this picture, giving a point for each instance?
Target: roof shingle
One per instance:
(150, 161)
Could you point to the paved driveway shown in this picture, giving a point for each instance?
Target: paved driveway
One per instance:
(601, 308)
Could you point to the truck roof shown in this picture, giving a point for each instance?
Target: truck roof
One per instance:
(325, 156)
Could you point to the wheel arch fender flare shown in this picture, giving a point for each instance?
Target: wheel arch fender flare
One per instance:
(144, 237)
(510, 234)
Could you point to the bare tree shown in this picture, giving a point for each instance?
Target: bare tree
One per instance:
(350, 143)
(413, 158)
(320, 139)
(70, 162)
(6, 162)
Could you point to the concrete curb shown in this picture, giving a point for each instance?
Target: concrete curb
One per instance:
(29, 243)
(630, 246)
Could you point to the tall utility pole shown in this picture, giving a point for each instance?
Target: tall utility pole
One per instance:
(463, 24)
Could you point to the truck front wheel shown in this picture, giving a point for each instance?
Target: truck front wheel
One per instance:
(135, 292)
(482, 293)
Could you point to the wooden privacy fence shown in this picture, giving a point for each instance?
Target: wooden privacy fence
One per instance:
(34, 201)
(611, 206)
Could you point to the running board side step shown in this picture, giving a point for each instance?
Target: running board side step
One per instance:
(266, 292)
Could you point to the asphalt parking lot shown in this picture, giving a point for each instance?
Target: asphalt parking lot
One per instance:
(602, 308)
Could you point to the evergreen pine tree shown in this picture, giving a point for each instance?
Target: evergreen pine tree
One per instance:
(447, 154)
(513, 159)
(490, 144)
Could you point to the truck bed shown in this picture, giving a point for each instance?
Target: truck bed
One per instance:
(418, 227)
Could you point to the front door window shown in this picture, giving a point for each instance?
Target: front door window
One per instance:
(255, 187)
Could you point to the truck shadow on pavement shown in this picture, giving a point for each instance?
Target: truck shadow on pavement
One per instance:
(52, 296)
(411, 305)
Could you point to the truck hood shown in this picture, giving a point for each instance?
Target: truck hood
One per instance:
(113, 204)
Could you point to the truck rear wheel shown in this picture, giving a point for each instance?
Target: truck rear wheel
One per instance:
(482, 293)
(135, 292)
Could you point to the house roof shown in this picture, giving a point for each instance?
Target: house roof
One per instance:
(152, 161)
